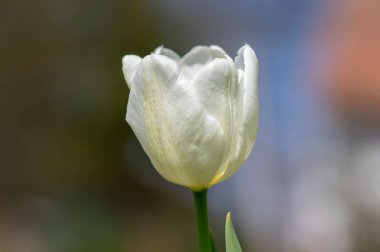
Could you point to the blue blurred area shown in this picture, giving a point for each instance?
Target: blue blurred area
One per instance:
(73, 177)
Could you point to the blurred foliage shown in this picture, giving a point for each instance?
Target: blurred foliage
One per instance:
(63, 94)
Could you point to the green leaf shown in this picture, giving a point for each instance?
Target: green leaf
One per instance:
(232, 242)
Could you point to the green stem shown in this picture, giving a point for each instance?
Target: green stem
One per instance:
(204, 241)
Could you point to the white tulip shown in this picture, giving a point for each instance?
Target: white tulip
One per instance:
(197, 116)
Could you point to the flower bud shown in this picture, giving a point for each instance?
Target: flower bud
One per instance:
(196, 117)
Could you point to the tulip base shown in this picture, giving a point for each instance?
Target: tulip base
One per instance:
(204, 239)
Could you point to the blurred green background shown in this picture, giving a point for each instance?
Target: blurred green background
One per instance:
(73, 177)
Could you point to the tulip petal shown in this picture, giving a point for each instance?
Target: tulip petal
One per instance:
(171, 124)
(250, 120)
(199, 137)
(146, 103)
(197, 58)
(247, 64)
(195, 117)
(212, 86)
(130, 64)
(215, 88)
(202, 55)
(161, 50)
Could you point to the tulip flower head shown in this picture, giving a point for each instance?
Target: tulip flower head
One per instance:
(196, 117)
